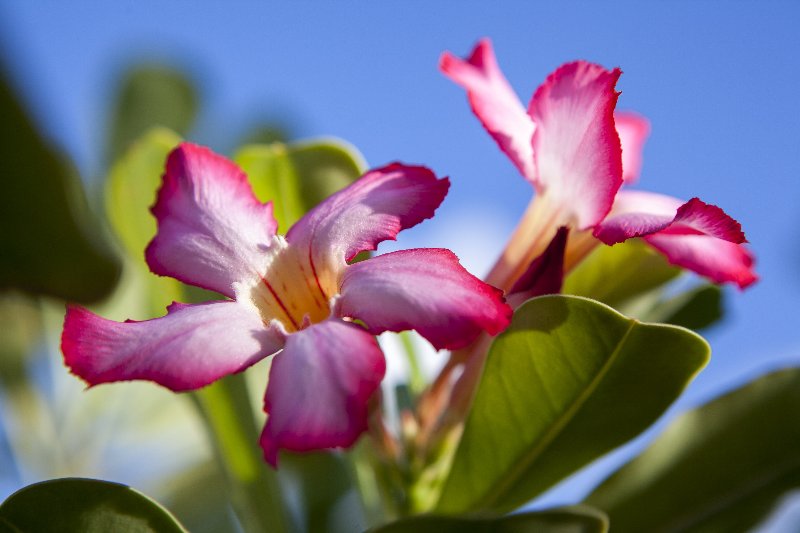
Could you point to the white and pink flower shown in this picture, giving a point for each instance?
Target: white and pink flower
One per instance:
(298, 296)
(577, 153)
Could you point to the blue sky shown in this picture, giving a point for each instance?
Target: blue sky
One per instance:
(718, 81)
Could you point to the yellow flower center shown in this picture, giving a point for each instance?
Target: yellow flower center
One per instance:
(291, 289)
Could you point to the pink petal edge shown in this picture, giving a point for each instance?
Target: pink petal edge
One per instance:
(426, 290)
(716, 259)
(575, 145)
(319, 388)
(190, 347)
(371, 210)
(637, 214)
(212, 230)
(495, 103)
(633, 130)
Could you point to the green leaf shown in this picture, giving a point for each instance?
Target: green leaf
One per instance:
(274, 179)
(614, 274)
(22, 328)
(697, 308)
(570, 380)
(297, 176)
(51, 243)
(266, 133)
(255, 492)
(84, 505)
(132, 186)
(325, 490)
(718, 468)
(198, 498)
(578, 519)
(151, 95)
(130, 192)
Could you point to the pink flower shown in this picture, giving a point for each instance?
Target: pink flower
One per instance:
(297, 295)
(568, 146)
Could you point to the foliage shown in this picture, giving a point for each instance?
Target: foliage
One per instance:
(84, 505)
(556, 394)
(720, 467)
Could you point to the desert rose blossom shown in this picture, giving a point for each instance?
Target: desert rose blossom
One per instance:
(567, 145)
(296, 295)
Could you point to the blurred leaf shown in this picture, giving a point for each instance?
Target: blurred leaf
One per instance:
(718, 468)
(255, 492)
(695, 309)
(199, 499)
(274, 179)
(151, 95)
(132, 186)
(22, 328)
(570, 380)
(297, 176)
(130, 192)
(51, 244)
(84, 505)
(578, 519)
(324, 485)
(266, 133)
(613, 274)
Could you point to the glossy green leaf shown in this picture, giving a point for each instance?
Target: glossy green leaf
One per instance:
(578, 519)
(297, 176)
(51, 244)
(717, 468)
(84, 505)
(570, 380)
(614, 274)
(149, 96)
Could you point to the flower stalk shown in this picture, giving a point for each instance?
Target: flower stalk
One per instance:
(255, 491)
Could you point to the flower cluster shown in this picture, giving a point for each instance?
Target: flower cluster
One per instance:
(303, 297)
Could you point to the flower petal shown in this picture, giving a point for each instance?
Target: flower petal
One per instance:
(545, 275)
(495, 103)
(319, 387)
(694, 235)
(426, 290)
(188, 348)
(633, 130)
(373, 209)
(575, 145)
(211, 228)
(637, 213)
(719, 260)
(698, 217)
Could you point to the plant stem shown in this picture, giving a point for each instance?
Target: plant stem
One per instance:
(255, 492)
(416, 377)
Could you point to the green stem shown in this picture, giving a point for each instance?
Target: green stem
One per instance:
(256, 496)
(416, 378)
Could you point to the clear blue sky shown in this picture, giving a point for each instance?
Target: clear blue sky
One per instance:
(718, 80)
